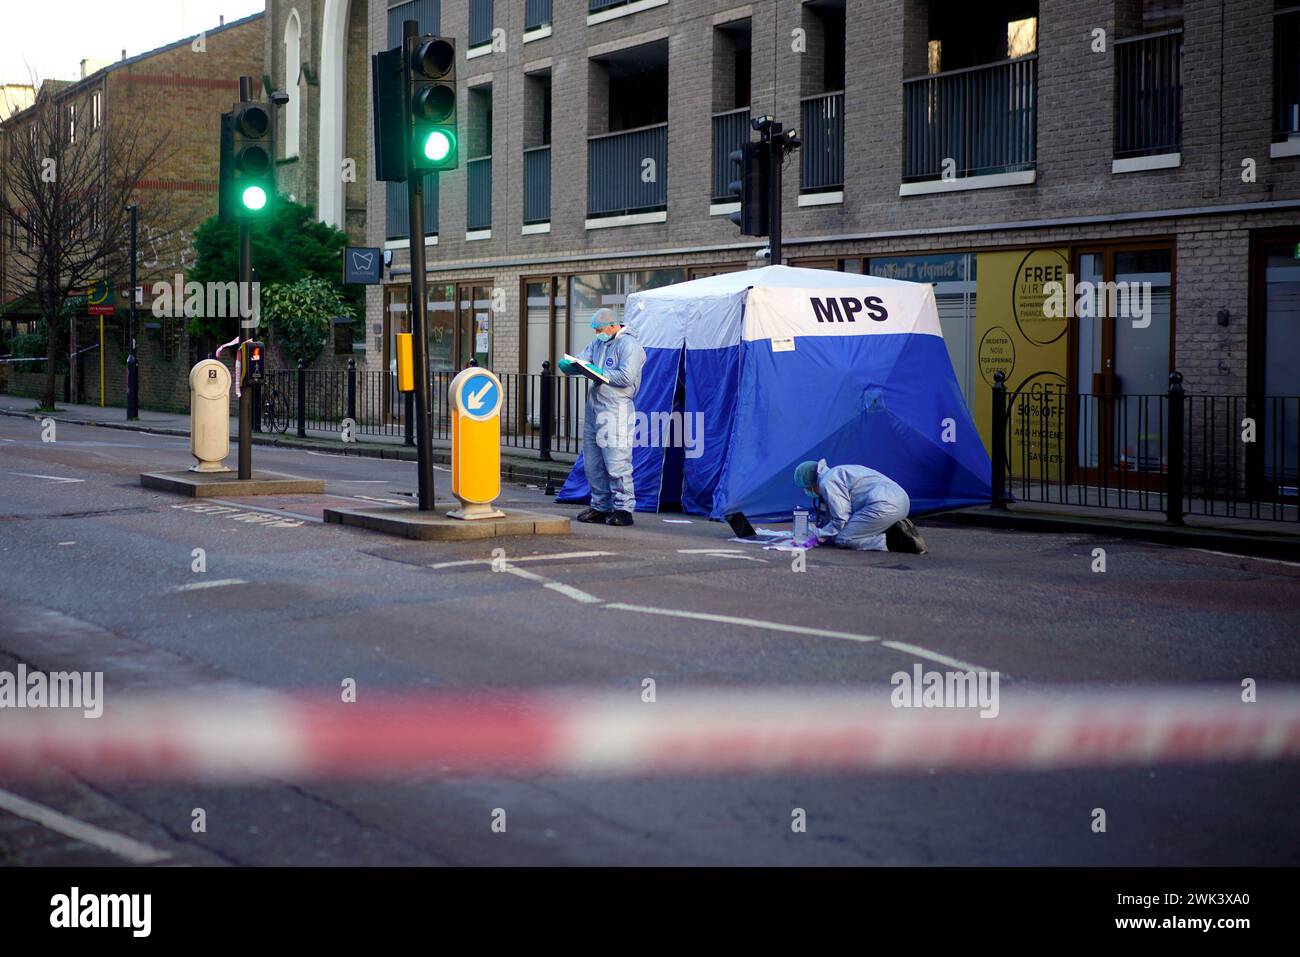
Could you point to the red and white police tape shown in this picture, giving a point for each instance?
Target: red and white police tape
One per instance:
(245, 736)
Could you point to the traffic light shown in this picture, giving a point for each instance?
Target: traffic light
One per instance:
(247, 162)
(434, 143)
(754, 163)
(390, 121)
(251, 357)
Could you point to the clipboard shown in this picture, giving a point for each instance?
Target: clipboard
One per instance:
(587, 369)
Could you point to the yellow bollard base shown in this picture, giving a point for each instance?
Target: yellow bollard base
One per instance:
(469, 511)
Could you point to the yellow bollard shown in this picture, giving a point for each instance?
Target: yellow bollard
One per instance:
(475, 396)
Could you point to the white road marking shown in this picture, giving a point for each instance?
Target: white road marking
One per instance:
(526, 558)
(67, 543)
(52, 478)
(567, 591)
(934, 656)
(578, 595)
(219, 583)
(1248, 558)
(722, 553)
(745, 622)
(124, 847)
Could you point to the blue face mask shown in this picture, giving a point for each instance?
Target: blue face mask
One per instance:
(604, 336)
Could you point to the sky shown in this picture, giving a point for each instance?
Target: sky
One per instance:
(51, 37)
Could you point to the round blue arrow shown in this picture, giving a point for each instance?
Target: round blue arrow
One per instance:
(480, 397)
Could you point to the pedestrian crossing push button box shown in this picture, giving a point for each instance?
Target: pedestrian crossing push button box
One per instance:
(210, 416)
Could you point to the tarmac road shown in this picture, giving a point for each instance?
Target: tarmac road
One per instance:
(96, 574)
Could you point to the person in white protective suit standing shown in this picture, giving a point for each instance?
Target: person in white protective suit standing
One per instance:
(608, 424)
(867, 510)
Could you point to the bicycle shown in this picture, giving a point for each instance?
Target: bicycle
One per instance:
(275, 411)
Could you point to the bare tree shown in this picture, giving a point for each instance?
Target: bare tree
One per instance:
(67, 185)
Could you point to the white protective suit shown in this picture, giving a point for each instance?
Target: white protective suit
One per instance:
(862, 503)
(608, 423)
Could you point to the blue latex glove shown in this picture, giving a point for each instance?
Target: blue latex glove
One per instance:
(567, 367)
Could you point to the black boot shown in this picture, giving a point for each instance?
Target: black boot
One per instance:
(903, 537)
(593, 517)
(619, 517)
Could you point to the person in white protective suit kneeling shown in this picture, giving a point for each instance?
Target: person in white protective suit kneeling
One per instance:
(867, 510)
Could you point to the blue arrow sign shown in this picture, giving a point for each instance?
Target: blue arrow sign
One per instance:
(480, 397)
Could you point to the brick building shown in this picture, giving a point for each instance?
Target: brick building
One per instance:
(177, 91)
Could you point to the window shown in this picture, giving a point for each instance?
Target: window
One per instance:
(480, 23)
(71, 113)
(1286, 77)
(537, 14)
(292, 79)
(537, 148)
(1022, 37)
(97, 109)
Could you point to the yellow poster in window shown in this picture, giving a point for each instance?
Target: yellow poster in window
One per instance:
(1017, 335)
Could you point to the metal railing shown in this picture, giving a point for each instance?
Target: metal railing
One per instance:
(533, 416)
(1286, 75)
(398, 222)
(537, 185)
(730, 133)
(984, 119)
(1170, 452)
(480, 22)
(822, 153)
(478, 187)
(627, 172)
(1149, 94)
(537, 13)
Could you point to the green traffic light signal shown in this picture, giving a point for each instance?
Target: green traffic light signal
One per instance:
(254, 198)
(438, 146)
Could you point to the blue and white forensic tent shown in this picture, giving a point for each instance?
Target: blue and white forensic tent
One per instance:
(769, 367)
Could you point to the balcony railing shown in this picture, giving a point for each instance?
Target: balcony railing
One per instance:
(398, 223)
(983, 118)
(478, 184)
(620, 181)
(730, 133)
(822, 154)
(537, 13)
(537, 185)
(480, 22)
(1149, 94)
(1286, 75)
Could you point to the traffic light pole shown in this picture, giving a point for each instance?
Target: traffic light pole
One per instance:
(245, 277)
(420, 357)
(777, 155)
